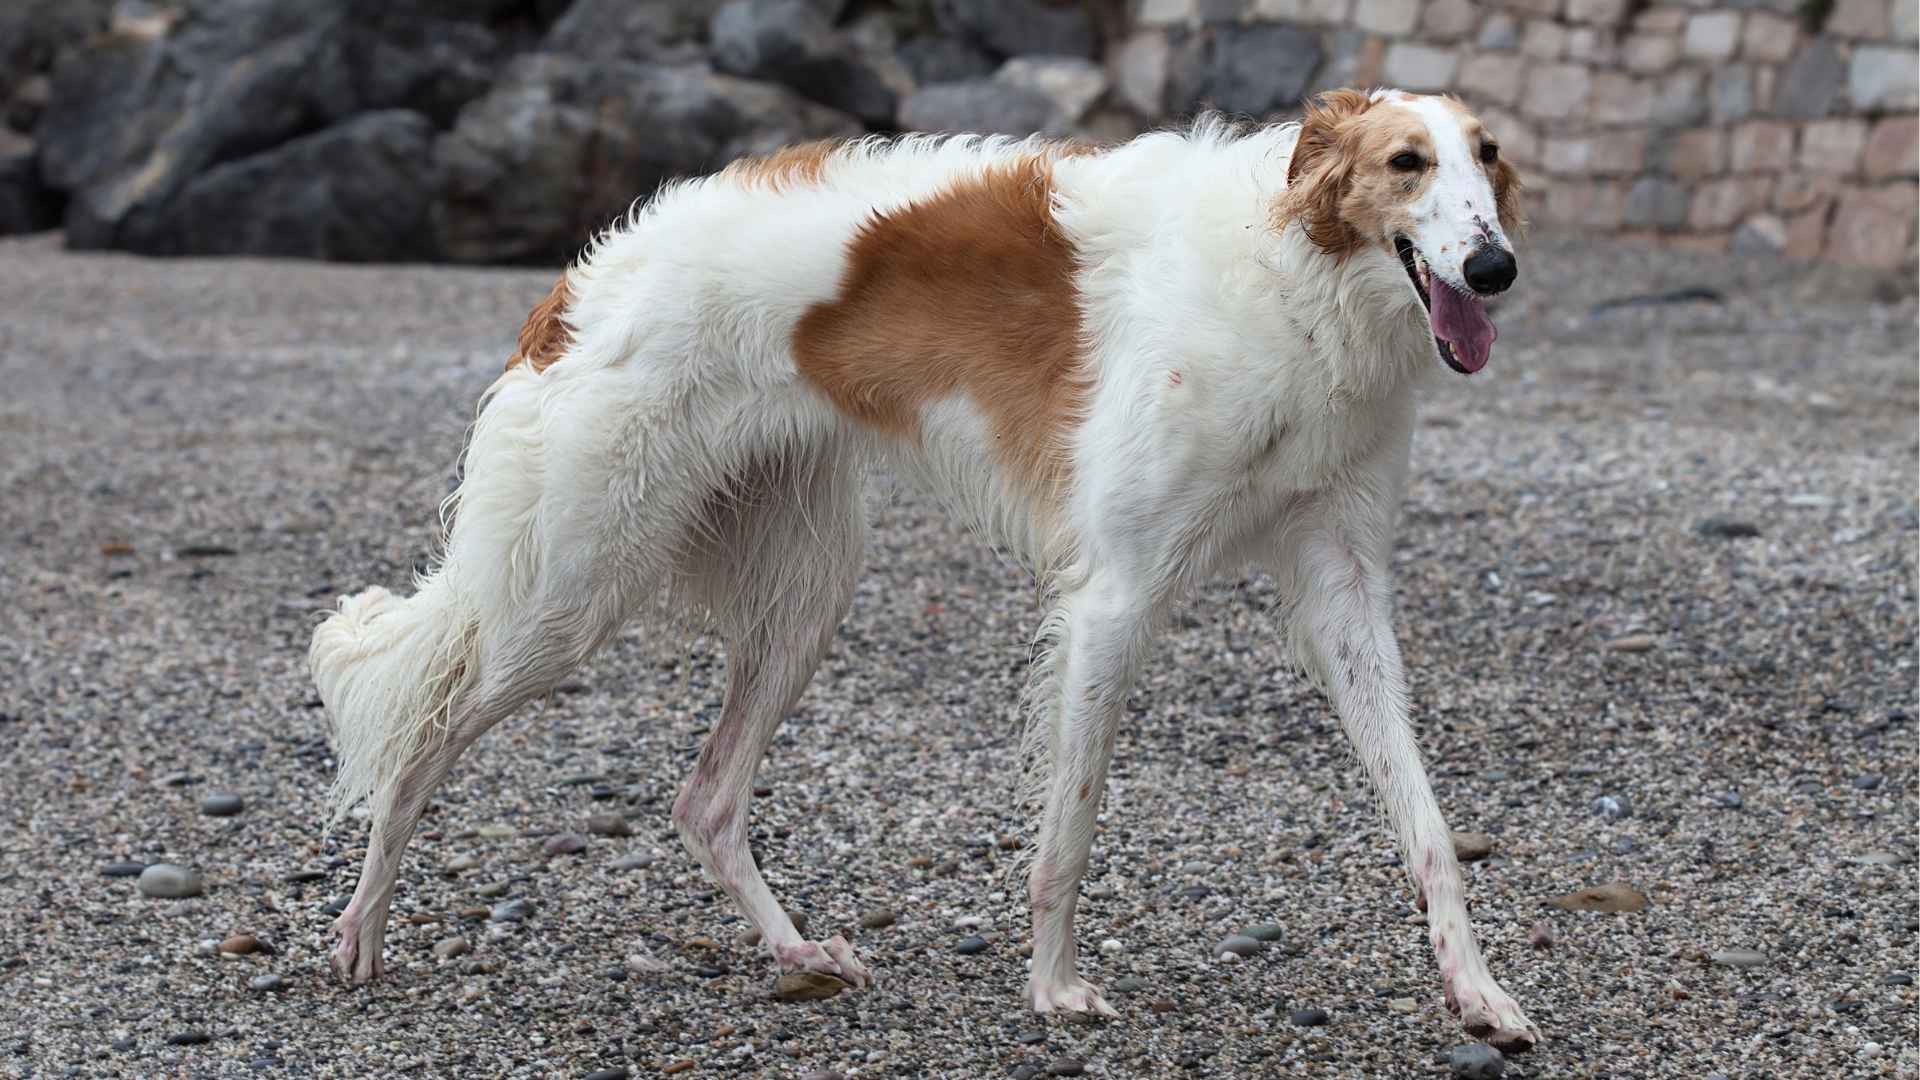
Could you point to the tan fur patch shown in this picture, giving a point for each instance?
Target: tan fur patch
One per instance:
(969, 292)
(545, 336)
(792, 166)
(1338, 183)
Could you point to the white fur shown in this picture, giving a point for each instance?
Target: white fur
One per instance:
(1252, 400)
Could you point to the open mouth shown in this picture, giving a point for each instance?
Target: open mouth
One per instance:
(1461, 330)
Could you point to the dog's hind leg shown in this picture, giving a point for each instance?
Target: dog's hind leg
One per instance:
(1101, 644)
(1342, 604)
(783, 546)
(528, 588)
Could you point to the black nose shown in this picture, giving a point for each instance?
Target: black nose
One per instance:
(1491, 270)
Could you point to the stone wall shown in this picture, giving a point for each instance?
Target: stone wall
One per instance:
(512, 130)
(1756, 125)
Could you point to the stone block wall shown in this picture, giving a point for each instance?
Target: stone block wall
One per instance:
(1752, 125)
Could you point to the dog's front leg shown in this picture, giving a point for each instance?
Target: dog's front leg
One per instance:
(1343, 602)
(1103, 637)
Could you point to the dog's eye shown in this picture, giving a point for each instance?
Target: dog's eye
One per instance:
(1406, 161)
(1489, 152)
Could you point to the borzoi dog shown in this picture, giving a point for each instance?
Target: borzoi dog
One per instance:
(1133, 366)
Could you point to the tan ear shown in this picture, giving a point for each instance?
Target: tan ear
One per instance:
(1318, 172)
(1506, 199)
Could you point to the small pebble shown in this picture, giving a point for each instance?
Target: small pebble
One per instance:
(124, 1044)
(267, 983)
(566, 843)
(1476, 1061)
(1866, 783)
(677, 1067)
(639, 860)
(1263, 932)
(451, 947)
(461, 863)
(492, 889)
(299, 877)
(1898, 978)
(1111, 946)
(169, 882)
(222, 804)
(972, 943)
(1402, 1004)
(643, 964)
(877, 919)
(1726, 528)
(240, 945)
(1541, 936)
(1633, 643)
(122, 869)
(1613, 897)
(1469, 847)
(1240, 945)
(1739, 958)
(189, 1038)
(807, 986)
(608, 1074)
(511, 911)
(499, 832)
(1612, 807)
(608, 825)
(1129, 984)
(1067, 1066)
(822, 1074)
(1308, 1017)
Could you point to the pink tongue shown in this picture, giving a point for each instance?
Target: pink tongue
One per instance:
(1461, 321)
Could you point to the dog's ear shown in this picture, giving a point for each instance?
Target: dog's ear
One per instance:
(1506, 199)
(1318, 173)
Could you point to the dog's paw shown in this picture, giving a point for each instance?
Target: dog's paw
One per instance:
(353, 959)
(1075, 995)
(1488, 1013)
(832, 957)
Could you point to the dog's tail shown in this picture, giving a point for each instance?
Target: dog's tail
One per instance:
(389, 671)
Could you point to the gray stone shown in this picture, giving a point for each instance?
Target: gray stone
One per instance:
(511, 911)
(1739, 958)
(1500, 31)
(971, 944)
(1613, 806)
(639, 860)
(1657, 202)
(1070, 83)
(122, 869)
(1308, 1017)
(944, 59)
(609, 825)
(1811, 83)
(877, 919)
(451, 947)
(222, 804)
(1019, 27)
(1263, 932)
(1130, 984)
(566, 843)
(791, 43)
(492, 889)
(166, 881)
(26, 204)
(1476, 1061)
(1883, 77)
(985, 106)
(559, 148)
(1730, 93)
(268, 983)
(658, 31)
(1248, 70)
(1679, 99)
(1066, 1066)
(1239, 945)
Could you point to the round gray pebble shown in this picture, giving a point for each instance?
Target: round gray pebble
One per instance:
(122, 869)
(1130, 984)
(222, 804)
(1262, 932)
(566, 843)
(877, 919)
(1739, 958)
(267, 983)
(1240, 945)
(639, 860)
(1612, 806)
(166, 881)
(972, 943)
(1067, 1066)
(608, 1074)
(189, 1038)
(511, 911)
(1309, 1017)
(1476, 1061)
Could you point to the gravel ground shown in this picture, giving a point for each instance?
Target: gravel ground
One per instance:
(1663, 555)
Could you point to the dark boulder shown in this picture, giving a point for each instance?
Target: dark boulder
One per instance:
(980, 106)
(944, 59)
(559, 149)
(658, 31)
(26, 205)
(33, 34)
(790, 42)
(358, 192)
(1248, 70)
(139, 112)
(1019, 27)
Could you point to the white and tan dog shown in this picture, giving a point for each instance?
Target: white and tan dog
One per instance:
(1133, 366)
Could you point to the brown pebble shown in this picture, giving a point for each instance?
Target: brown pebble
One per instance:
(676, 1067)
(421, 918)
(877, 919)
(566, 843)
(1541, 936)
(1471, 847)
(1162, 1005)
(807, 986)
(1615, 896)
(472, 913)
(609, 825)
(452, 947)
(920, 862)
(1633, 643)
(240, 945)
(701, 941)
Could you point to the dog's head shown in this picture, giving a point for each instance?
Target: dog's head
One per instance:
(1420, 180)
